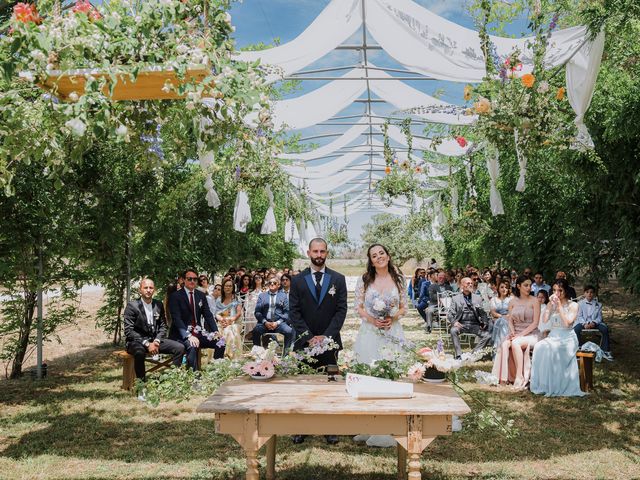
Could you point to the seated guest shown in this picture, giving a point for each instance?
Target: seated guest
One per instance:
(430, 305)
(543, 300)
(451, 280)
(229, 316)
(285, 284)
(422, 300)
(466, 315)
(145, 330)
(188, 306)
(538, 284)
(512, 363)
(499, 310)
(554, 370)
(571, 292)
(413, 289)
(590, 316)
(272, 314)
(203, 286)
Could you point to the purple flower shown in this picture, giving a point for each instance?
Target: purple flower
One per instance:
(221, 343)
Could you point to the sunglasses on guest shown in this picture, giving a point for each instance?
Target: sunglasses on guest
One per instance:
(191, 279)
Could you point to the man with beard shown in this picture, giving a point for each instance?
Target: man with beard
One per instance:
(317, 309)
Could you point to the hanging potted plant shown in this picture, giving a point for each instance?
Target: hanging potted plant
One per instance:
(133, 49)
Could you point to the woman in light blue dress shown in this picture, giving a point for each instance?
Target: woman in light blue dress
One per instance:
(499, 310)
(554, 369)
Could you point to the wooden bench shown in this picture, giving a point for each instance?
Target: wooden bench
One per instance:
(585, 365)
(129, 373)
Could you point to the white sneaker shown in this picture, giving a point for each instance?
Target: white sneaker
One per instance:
(607, 356)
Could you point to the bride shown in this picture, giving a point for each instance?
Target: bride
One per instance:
(380, 303)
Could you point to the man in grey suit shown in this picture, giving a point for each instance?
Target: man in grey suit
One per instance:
(466, 315)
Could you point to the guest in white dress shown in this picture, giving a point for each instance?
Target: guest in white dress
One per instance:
(380, 303)
(554, 369)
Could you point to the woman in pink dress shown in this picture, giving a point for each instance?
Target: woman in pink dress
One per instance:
(513, 360)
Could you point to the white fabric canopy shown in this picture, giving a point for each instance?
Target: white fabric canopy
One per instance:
(404, 97)
(582, 72)
(439, 48)
(324, 102)
(343, 140)
(335, 24)
(324, 170)
(318, 105)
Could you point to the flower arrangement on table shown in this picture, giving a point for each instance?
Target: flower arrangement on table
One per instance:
(411, 363)
(90, 57)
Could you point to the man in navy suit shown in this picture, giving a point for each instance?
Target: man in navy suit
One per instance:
(145, 329)
(272, 314)
(317, 308)
(188, 306)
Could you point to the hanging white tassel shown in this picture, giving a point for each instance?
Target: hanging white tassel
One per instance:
(206, 159)
(583, 141)
(493, 165)
(208, 182)
(269, 225)
(291, 233)
(437, 222)
(241, 212)
(472, 190)
(212, 199)
(454, 201)
(522, 162)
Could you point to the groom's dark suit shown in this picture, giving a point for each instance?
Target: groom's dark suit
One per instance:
(318, 315)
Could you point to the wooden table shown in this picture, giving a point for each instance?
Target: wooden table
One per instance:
(254, 412)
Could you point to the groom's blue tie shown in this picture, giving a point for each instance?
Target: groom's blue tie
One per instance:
(318, 276)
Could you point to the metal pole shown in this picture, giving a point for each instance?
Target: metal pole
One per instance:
(40, 305)
(128, 286)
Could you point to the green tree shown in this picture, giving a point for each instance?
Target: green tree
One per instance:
(405, 237)
(38, 222)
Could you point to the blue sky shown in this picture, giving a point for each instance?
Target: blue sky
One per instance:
(264, 20)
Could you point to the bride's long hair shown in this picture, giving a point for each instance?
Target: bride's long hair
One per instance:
(370, 275)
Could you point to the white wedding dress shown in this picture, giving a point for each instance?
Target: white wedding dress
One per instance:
(372, 344)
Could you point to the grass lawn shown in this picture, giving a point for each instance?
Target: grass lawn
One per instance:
(77, 424)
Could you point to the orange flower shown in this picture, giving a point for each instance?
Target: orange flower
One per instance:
(528, 79)
(84, 6)
(25, 13)
(418, 169)
(483, 105)
(468, 90)
(387, 169)
(560, 94)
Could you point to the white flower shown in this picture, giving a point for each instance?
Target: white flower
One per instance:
(77, 126)
(122, 131)
(182, 48)
(27, 75)
(38, 55)
(379, 305)
(543, 87)
(227, 17)
(73, 96)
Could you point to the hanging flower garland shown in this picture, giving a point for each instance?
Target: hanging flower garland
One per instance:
(89, 57)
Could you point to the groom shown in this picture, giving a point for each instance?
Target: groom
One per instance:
(317, 308)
